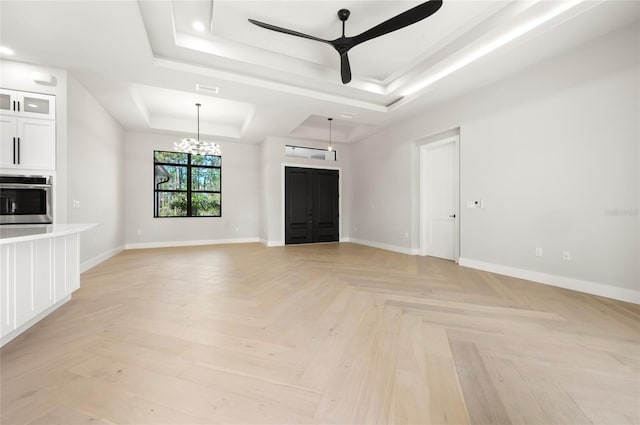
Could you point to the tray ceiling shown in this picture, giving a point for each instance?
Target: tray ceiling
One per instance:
(145, 62)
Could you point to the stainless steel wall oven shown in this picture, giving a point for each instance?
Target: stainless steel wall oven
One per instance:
(25, 199)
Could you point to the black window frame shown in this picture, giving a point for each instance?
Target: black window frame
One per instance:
(189, 191)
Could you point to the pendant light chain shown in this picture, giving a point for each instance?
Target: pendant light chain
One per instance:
(198, 105)
(330, 144)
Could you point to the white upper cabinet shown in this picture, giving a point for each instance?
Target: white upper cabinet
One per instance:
(36, 144)
(27, 130)
(25, 104)
(8, 134)
(27, 143)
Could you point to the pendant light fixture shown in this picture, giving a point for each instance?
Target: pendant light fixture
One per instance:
(197, 146)
(330, 148)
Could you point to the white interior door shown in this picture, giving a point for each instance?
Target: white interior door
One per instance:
(439, 199)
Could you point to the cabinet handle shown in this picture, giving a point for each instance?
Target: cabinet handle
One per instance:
(18, 106)
(14, 105)
(14, 149)
(18, 150)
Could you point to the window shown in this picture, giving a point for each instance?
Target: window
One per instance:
(311, 153)
(187, 185)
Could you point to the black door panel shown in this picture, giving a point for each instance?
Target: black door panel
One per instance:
(311, 205)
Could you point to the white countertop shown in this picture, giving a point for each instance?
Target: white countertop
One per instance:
(12, 233)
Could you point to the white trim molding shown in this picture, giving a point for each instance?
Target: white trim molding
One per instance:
(89, 264)
(394, 248)
(594, 288)
(271, 243)
(170, 244)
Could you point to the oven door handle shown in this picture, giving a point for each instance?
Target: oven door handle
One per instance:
(24, 186)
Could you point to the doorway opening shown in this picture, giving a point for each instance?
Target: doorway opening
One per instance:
(312, 211)
(440, 199)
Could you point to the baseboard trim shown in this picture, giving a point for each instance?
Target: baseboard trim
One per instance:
(394, 248)
(270, 244)
(594, 288)
(89, 264)
(171, 244)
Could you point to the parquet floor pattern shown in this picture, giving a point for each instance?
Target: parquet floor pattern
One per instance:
(320, 334)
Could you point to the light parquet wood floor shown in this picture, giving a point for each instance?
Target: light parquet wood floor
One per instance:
(322, 334)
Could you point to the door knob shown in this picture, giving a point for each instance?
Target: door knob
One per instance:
(453, 216)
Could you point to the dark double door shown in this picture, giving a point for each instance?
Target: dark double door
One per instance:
(311, 205)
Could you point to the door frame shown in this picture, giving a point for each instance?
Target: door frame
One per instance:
(456, 193)
(283, 196)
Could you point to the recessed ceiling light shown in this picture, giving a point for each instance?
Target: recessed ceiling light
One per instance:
(198, 26)
(6, 51)
(346, 115)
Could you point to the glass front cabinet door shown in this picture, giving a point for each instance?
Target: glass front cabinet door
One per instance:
(25, 104)
(7, 101)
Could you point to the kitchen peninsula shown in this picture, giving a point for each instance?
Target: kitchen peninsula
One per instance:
(39, 269)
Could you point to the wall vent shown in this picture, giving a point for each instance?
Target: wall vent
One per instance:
(207, 89)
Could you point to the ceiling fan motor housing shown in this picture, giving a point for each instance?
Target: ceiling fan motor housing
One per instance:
(343, 14)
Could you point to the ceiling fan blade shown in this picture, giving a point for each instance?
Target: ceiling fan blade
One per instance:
(345, 68)
(402, 20)
(286, 31)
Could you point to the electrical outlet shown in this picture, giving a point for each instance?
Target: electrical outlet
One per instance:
(538, 252)
(76, 203)
(566, 255)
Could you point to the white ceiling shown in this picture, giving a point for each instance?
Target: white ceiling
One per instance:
(144, 61)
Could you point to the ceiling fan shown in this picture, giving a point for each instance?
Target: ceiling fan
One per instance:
(344, 44)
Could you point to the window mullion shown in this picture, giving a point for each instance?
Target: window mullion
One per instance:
(189, 207)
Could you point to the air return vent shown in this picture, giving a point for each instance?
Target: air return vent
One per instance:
(207, 89)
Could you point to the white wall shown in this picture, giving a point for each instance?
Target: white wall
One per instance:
(554, 173)
(552, 151)
(96, 171)
(18, 76)
(240, 197)
(382, 186)
(272, 154)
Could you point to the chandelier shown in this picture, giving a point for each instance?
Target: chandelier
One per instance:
(197, 146)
